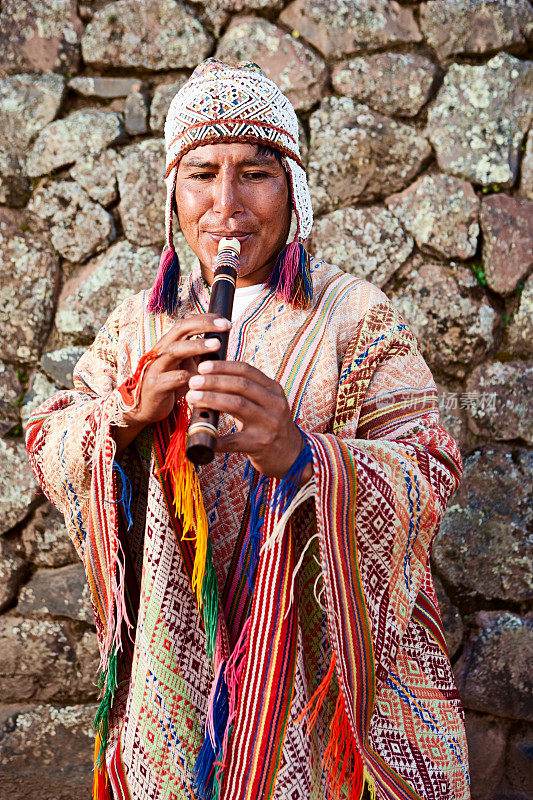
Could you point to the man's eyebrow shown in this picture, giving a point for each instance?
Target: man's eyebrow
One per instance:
(257, 161)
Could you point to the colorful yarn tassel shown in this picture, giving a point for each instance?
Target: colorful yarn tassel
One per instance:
(291, 276)
(215, 727)
(107, 683)
(232, 675)
(101, 788)
(187, 494)
(164, 293)
(342, 762)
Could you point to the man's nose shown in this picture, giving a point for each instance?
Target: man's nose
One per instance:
(226, 195)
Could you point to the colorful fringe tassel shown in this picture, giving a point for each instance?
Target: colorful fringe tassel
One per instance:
(187, 494)
(215, 728)
(101, 788)
(221, 713)
(342, 761)
(164, 293)
(291, 276)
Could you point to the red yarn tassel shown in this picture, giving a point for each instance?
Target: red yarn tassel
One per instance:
(318, 697)
(341, 756)
(129, 390)
(342, 761)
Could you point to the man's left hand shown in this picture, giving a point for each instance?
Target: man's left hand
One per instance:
(266, 432)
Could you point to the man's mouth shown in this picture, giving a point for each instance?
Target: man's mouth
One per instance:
(218, 236)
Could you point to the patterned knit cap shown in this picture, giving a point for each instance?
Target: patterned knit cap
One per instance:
(222, 103)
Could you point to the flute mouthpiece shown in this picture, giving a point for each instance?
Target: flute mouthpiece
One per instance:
(233, 243)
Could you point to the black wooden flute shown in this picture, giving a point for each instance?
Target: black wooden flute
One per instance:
(202, 432)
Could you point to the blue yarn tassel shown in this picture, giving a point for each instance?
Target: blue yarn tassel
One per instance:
(292, 482)
(205, 763)
(126, 494)
(252, 543)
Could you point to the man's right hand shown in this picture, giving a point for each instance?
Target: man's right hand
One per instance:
(166, 379)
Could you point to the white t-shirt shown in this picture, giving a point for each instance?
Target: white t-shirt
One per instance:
(243, 297)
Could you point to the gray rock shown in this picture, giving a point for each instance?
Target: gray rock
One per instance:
(59, 364)
(449, 315)
(39, 37)
(338, 28)
(79, 227)
(519, 333)
(465, 27)
(15, 188)
(451, 619)
(62, 592)
(88, 130)
(507, 224)
(10, 393)
(106, 88)
(494, 673)
(500, 400)
(215, 13)
(357, 154)
(142, 191)
(525, 189)
(39, 390)
(87, 300)
(97, 173)
(295, 68)
(487, 738)
(27, 104)
(482, 547)
(136, 113)
(367, 242)
(18, 487)
(391, 83)
(12, 572)
(45, 539)
(479, 117)
(441, 212)
(42, 650)
(60, 740)
(453, 418)
(116, 36)
(28, 280)
(163, 96)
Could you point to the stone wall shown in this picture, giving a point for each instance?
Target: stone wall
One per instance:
(415, 121)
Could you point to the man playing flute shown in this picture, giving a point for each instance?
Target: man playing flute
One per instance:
(267, 622)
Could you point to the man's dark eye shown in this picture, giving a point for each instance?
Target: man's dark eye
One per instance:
(202, 175)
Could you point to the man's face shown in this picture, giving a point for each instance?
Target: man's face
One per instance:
(228, 190)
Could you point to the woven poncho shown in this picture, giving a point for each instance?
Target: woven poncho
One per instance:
(340, 623)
